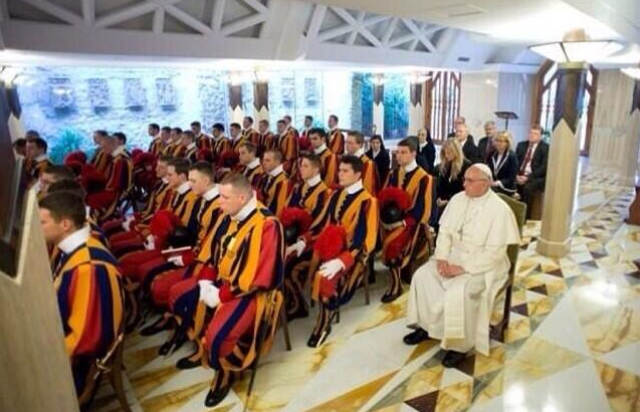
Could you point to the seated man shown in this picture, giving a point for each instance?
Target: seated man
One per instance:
(191, 148)
(155, 147)
(50, 175)
(311, 195)
(173, 144)
(266, 137)
(413, 229)
(288, 146)
(37, 158)
(336, 140)
(250, 163)
(249, 133)
(245, 294)
(451, 297)
(532, 157)
(87, 282)
(104, 204)
(203, 141)
(318, 140)
(274, 187)
(220, 144)
(355, 147)
(354, 210)
(100, 160)
(235, 131)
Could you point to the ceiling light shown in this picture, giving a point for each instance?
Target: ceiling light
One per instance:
(590, 51)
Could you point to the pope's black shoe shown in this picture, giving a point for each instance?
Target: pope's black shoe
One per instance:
(452, 359)
(214, 397)
(415, 337)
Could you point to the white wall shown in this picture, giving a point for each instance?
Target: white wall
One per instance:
(515, 94)
(478, 100)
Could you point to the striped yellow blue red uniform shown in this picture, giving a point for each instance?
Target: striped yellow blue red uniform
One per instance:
(418, 184)
(357, 213)
(101, 161)
(313, 199)
(329, 167)
(288, 146)
(219, 146)
(254, 175)
(119, 183)
(274, 191)
(90, 298)
(156, 146)
(249, 266)
(336, 142)
(369, 175)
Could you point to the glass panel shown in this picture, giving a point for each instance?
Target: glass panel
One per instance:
(549, 74)
(396, 106)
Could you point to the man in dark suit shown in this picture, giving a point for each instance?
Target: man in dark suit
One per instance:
(532, 160)
(485, 145)
(469, 148)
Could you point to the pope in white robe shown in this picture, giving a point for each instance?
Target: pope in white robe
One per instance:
(452, 296)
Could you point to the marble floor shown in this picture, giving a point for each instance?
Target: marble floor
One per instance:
(573, 342)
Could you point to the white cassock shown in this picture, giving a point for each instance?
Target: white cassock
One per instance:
(474, 234)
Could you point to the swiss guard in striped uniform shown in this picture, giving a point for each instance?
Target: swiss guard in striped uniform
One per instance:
(405, 208)
(249, 268)
(87, 282)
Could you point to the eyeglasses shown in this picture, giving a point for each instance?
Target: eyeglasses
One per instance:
(467, 180)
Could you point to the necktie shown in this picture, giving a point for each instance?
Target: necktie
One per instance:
(527, 158)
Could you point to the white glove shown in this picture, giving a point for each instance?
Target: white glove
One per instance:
(209, 294)
(297, 247)
(126, 225)
(331, 268)
(176, 260)
(393, 225)
(150, 243)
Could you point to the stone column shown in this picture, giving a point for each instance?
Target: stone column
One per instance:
(416, 108)
(235, 103)
(261, 101)
(629, 164)
(562, 170)
(378, 107)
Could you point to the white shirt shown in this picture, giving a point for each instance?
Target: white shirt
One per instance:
(275, 172)
(41, 158)
(375, 154)
(254, 163)
(217, 139)
(314, 181)
(320, 149)
(411, 166)
(359, 152)
(119, 150)
(246, 210)
(423, 145)
(183, 188)
(357, 186)
(211, 193)
(74, 240)
(191, 146)
(165, 180)
(527, 167)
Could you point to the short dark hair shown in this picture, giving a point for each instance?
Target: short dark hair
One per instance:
(59, 172)
(265, 121)
(281, 122)
(313, 158)
(39, 142)
(68, 186)
(219, 127)
(536, 127)
(154, 126)
(32, 134)
(359, 137)
(250, 146)
(287, 117)
(249, 118)
(353, 161)
(181, 166)
(236, 125)
(122, 138)
(166, 158)
(409, 142)
(205, 168)
(178, 130)
(334, 117)
(166, 129)
(277, 154)
(20, 143)
(196, 124)
(101, 133)
(307, 117)
(189, 134)
(63, 205)
(319, 131)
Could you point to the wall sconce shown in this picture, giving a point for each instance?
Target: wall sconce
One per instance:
(235, 78)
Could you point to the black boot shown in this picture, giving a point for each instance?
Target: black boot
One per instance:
(316, 340)
(390, 296)
(452, 359)
(302, 312)
(157, 327)
(220, 388)
(416, 337)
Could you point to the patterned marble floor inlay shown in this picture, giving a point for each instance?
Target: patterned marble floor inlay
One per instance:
(573, 342)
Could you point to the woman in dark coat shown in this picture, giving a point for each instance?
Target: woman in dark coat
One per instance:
(380, 157)
(504, 165)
